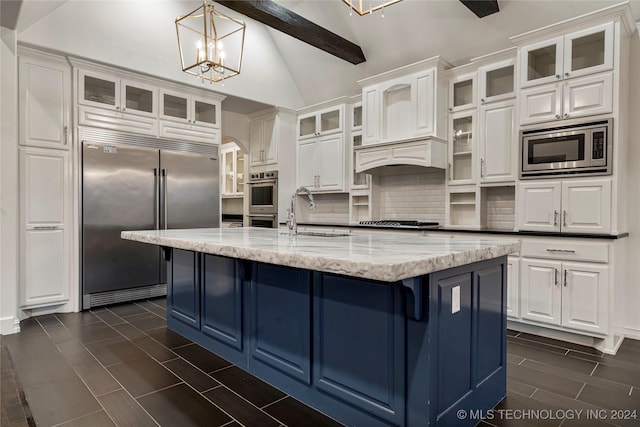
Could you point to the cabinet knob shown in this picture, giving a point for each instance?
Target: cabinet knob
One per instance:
(124, 108)
(482, 100)
(118, 107)
(566, 74)
(566, 115)
(557, 76)
(450, 109)
(557, 116)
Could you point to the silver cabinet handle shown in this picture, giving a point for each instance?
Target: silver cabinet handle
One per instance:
(562, 251)
(450, 173)
(564, 218)
(46, 227)
(482, 165)
(565, 278)
(555, 218)
(557, 116)
(555, 270)
(66, 135)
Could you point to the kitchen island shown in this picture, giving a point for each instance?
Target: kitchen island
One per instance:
(371, 329)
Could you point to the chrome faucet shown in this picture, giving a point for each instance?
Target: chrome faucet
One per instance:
(291, 218)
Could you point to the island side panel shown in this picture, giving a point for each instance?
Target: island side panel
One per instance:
(465, 352)
(183, 291)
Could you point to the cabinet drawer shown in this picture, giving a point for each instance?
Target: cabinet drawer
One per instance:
(569, 250)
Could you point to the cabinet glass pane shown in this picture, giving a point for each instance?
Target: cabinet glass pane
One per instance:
(330, 121)
(205, 113)
(175, 106)
(500, 81)
(357, 116)
(228, 171)
(587, 51)
(139, 99)
(240, 173)
(462, 135)
(541, 62)
(99, 90)
(462, 93)
(308, 126)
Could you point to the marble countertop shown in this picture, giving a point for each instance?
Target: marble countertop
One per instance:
(387, 257)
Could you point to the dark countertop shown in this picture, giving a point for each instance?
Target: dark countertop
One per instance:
(478, 231)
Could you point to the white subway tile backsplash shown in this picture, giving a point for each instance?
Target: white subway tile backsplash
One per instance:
(330, 209)
(501, 207)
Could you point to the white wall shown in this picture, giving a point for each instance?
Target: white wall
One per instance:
(633, 197)
(8, 183)
(141, 36)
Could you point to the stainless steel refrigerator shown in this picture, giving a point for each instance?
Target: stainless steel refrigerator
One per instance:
(131, 182)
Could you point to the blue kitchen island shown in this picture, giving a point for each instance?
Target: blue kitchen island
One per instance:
(371, 329)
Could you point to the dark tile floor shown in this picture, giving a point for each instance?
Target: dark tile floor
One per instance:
(120, 365)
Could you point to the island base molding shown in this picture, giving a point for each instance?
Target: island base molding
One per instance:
(361, 351)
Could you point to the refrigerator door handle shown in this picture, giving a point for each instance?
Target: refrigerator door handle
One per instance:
(156, 180)
(166, 205)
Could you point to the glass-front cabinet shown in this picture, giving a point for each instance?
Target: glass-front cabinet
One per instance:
(576, 54)
(103, 91)
(232, 171)
(191, 109)
(321, 123)
(462, 147)
(496, 82)
(462, 92)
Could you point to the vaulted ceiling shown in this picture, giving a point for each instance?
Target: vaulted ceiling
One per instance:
(410, 31)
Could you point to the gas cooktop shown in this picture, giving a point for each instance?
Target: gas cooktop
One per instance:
(397, 223)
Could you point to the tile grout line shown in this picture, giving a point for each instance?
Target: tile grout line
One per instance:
(82, 416)
(256, 406)
(594, 369)
(275, 401)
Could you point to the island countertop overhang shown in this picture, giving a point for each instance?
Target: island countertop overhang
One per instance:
(384, 257)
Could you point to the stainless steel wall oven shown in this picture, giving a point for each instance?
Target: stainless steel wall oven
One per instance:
(263, 199)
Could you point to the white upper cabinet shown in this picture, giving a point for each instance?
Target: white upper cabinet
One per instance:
(45, 101)
(192, 109)
(232, 171)
(497, 141)
(496, 82)
(321, 123)
(264, 142)
(571, 206)
(462, 148)
(117, 94)
(462, 92)
(572, 55)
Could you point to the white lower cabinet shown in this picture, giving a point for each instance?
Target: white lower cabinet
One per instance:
(567, 294)
(513, 287)
(44, 227)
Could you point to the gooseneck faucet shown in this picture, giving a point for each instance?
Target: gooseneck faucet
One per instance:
(291, 218)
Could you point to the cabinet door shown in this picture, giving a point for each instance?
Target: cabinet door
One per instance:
(584, 297)
(45, 102)
(204, 112)
(307, 127)
(539, 206)
(330, 155)
(256, 137)
(174, 106)
(228, 172)
(497, 81)
(588, 51)
(587, 96)
(541, 62)
(462, 148)
(541, 104)
(139, 98)
(513, 287)
(498, 142)
(586, 206)
(541, 290)
(462, 93)
(44, 223)
(98, 90)
(306, 164)
(270, 155)
(331, 120)
(371, 120)
(184, 289)
(425, 104)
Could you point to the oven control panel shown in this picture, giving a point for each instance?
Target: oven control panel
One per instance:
(261, 176)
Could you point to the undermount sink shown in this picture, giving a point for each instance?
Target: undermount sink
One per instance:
(322, 233)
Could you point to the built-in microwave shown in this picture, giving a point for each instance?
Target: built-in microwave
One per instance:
(577, 149)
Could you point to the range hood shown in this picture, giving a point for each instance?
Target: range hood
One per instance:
(427, 152)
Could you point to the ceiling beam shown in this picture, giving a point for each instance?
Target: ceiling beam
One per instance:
(482, 8)
(282, 19)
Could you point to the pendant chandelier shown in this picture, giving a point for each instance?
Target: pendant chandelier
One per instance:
(363, 7)
(210, 43)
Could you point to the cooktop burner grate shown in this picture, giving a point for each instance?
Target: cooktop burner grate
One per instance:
(400, 223)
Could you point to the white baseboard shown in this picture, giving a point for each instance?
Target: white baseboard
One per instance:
(9, 325)
(633, 333)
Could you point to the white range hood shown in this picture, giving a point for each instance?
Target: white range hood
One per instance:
(427, 152)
